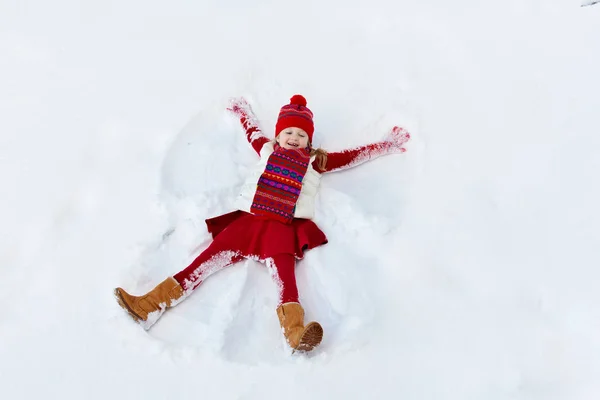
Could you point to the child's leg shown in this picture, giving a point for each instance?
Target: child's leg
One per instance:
(290, 312)
(147, 308)
(211, 260)
(282, 270)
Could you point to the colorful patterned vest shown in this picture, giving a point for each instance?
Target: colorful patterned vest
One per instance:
(279, 186)
(263, 174)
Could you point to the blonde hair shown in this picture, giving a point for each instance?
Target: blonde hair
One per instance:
(320, 155)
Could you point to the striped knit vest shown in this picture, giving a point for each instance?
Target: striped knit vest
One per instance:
(279, 186)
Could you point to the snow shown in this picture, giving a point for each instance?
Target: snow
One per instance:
(466, 267)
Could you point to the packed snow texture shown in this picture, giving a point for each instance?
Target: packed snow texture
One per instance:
(589, 2)
(465, 268)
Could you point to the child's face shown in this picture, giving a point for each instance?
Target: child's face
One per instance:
(293, 138)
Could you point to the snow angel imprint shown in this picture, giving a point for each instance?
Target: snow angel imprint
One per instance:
(272, 222)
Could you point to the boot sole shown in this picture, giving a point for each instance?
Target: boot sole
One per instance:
(125, 307)
(311, 337)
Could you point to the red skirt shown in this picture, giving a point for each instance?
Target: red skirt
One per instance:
(262, 237)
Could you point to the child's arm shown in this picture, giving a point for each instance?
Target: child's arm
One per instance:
(241, 109)
(392, 144)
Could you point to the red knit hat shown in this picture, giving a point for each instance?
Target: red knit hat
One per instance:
(296, 114)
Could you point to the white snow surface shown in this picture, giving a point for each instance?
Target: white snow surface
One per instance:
(466, 268)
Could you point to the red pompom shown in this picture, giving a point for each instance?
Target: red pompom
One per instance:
(298, 99)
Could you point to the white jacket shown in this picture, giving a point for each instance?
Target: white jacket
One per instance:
(305, 206)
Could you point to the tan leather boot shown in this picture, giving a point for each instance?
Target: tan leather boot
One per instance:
(299, 337)
(148, 308)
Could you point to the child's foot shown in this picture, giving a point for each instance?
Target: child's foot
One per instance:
(298, 336)
(120, 295)
(311, 337)
(148, 308)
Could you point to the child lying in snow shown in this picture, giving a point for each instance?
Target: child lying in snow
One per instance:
(273, 222)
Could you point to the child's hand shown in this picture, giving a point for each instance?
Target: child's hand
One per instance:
(397, 137)
(240, 107)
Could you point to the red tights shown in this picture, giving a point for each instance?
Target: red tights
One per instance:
(217, 256)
